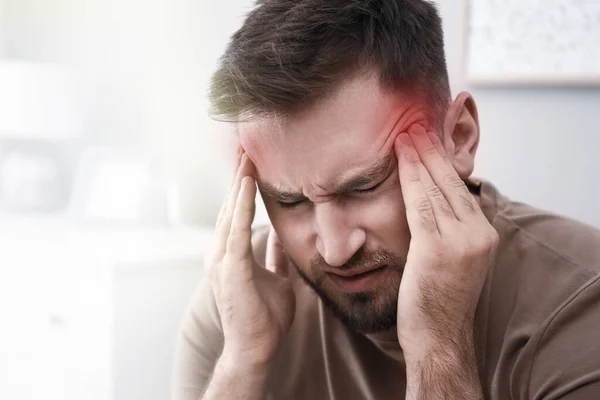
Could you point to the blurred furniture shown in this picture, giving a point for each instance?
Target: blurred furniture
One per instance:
(91, 312)
(32, 179)
(120, 186)
(149, 300)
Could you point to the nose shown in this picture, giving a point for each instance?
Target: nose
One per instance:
(339, 236)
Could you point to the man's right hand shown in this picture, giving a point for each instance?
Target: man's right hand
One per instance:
(256, 305)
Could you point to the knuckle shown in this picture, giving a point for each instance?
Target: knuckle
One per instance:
(427, 220)
(433, 191)
(484, 243)
(439, 200)
(469, 202)
(423, 205)
(235, 237)
(495, 237)
(228, 309)
(430, 151)
(490, 239)
(441, 205)
(425, 212)
(453, 181)
(444, 207)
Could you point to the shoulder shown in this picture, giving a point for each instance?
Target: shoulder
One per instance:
(575, 241)
(542, 302)
(564, 355)
(526, 230)
(541, 261)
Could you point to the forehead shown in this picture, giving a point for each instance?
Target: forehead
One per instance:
(352, 128)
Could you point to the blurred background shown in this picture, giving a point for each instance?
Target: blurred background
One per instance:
(111, 176)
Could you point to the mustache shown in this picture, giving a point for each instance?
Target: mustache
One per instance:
(359, 259)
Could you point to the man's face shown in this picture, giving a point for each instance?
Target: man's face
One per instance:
(329, 180)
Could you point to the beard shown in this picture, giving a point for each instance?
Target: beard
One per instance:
(364, 312)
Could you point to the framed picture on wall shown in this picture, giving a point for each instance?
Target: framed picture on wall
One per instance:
(532, 42)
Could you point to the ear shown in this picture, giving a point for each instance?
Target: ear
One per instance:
(461, 134)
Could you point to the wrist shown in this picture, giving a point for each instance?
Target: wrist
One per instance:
(235, 379)
(441, 370)
(423, 345)
(236, 363)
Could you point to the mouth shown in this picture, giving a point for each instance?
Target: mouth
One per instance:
(359, 280)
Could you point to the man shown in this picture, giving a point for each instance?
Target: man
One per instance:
(389, 272)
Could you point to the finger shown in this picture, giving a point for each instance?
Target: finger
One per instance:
(442, 209)
(225, 224)
(276, 259)
(223, 207)
(211, 256)
(239, 245)
(419, 211)
(442, 172)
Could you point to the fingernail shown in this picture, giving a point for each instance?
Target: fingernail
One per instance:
(416, 129)
(408, 151)
(433, 137)
(405, 139)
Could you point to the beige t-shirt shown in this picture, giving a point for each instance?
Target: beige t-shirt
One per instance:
(538, 324)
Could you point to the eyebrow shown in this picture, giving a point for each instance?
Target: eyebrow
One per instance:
(364, 177)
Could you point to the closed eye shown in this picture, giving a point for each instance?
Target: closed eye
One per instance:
(289, 206)
(292, 205)
(367, 190)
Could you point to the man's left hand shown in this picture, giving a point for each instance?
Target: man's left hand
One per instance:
(452, 244)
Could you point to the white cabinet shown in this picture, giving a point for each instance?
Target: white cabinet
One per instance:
(91, 313)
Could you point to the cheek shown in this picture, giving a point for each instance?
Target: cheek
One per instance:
(384, 218)
(386, 208)
(294, 233)
(384, 211)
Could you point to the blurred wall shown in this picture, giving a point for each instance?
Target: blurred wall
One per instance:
(538, 145)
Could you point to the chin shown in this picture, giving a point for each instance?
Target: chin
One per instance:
(363, 312)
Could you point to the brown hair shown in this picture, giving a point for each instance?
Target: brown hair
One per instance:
(291, 53)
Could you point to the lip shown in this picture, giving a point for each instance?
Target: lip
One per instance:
(356, 271)
(359, 280)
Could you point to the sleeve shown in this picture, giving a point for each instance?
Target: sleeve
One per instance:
(200, 339)
(564, 363)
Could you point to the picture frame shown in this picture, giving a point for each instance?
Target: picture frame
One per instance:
(531, 42)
